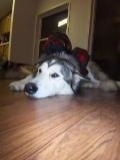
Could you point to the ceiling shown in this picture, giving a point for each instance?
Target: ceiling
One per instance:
(5, 7)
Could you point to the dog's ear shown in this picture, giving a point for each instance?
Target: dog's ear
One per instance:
(77, 82)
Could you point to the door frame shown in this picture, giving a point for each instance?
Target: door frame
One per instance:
(92, 26)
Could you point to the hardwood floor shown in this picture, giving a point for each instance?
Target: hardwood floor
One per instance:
(59, 128)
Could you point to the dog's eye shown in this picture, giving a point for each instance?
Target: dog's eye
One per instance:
(39, 70)
(54, 75)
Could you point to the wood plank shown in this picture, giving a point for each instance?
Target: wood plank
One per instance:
(86, 127)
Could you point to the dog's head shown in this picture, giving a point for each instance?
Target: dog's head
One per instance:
(54, 76)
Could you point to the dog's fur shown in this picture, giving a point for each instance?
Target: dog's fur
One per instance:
(59, 73)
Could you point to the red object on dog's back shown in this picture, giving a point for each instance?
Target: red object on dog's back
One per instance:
(58, 42)
(82, 56)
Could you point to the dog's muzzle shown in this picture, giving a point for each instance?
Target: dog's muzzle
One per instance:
(30, 88)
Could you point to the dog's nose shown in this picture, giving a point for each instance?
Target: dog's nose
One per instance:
(30, 88)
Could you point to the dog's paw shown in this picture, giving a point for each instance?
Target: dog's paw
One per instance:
(109, 85)
(16, 86)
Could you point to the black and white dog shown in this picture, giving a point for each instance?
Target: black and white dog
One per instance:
(62, 71)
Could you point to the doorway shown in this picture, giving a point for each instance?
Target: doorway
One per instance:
(52, 23)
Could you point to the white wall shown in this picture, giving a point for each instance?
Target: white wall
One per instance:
(24, 40)
(79, 25)
(23, 31)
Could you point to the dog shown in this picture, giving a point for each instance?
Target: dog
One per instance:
(62, 70)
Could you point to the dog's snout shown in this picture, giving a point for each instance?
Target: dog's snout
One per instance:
(31, 88)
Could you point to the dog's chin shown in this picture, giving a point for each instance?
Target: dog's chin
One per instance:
(35, 96)
(32, 96)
